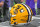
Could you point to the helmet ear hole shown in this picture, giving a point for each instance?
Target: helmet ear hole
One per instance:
(21, 10)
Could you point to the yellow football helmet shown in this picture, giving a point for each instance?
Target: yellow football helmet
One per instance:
(20, 13)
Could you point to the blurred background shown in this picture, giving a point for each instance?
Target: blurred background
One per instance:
(6, 5)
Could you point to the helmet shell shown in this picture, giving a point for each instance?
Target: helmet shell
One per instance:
(20, 13)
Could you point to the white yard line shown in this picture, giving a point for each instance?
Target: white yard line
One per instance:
(38, 26)
(5, 26)
(35, 18)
